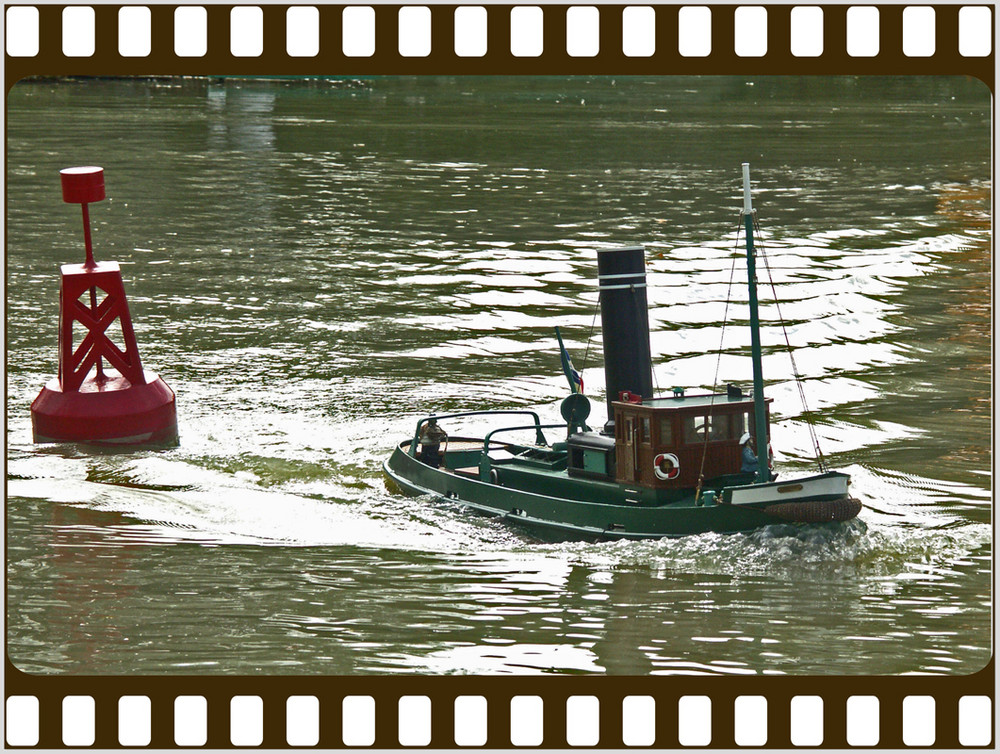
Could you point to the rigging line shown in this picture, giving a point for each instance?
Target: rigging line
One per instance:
(807, 415)
(590, 337)
(718, 359)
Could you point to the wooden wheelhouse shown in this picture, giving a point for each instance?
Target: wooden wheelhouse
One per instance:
(660, 442)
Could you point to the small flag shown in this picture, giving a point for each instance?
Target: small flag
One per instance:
(574, 377)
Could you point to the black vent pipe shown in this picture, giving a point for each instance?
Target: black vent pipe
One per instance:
(621, 276)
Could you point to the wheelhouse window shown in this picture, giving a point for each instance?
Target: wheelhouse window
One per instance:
(694, 428)
(731, 427)
(644, 429)
(718, 427)
(666, 432)
(745, 421)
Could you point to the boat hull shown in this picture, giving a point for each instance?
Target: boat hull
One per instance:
(814, 499)
(556, 517)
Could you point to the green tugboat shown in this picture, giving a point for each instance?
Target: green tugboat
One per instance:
(660, 467)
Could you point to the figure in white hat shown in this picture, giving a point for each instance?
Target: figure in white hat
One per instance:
(749, 454)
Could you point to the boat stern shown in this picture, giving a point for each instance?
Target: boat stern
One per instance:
(815, 499)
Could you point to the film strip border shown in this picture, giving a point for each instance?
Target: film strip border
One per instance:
(312, 40)
(498, 719)
(427, 39)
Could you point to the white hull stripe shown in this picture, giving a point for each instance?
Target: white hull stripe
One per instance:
(792, 490)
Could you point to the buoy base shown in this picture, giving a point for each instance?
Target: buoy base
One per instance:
(108, 412)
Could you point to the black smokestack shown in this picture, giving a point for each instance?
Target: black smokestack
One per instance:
(621, 275)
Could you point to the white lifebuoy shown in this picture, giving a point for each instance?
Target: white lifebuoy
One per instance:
(666, 466)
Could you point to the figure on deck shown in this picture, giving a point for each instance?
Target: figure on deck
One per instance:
(750, 462)
(431, 437)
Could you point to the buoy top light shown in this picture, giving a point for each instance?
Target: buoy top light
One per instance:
(82, 185)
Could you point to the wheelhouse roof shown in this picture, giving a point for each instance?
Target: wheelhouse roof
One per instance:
(690, 402)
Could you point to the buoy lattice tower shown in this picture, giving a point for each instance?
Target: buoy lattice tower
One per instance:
(102, 394)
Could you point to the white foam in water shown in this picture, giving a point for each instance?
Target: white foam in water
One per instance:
(881, 542)
(325, 489)
(220, 508)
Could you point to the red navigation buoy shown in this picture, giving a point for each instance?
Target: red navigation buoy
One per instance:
(88, 402)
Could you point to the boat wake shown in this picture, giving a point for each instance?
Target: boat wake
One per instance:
(901, 530)
(157, 501)
(851, 549)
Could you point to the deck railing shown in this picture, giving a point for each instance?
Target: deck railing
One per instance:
(537, 426)
(486, 464)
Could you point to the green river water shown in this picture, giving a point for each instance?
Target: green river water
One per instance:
(312, 266)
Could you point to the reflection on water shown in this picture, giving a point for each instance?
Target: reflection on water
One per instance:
(311, 266)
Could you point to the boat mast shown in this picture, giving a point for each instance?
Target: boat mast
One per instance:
(760, 416)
